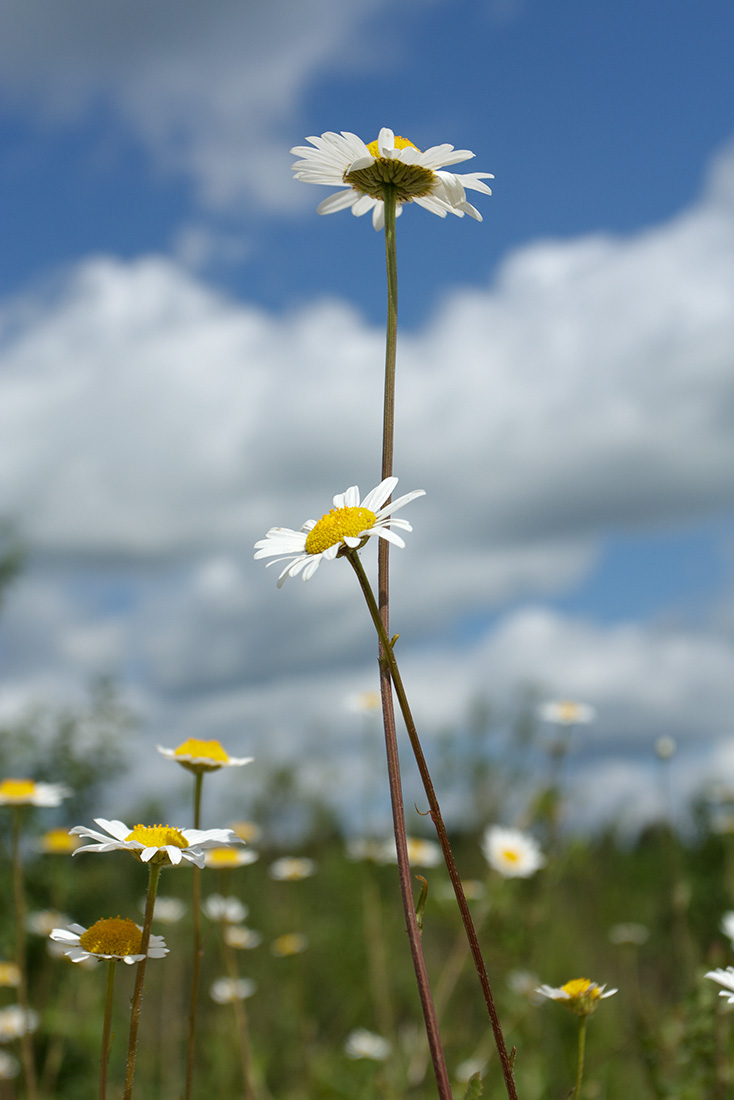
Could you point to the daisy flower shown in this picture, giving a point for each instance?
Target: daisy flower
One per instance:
(244, 939)
(116, 938)
(9, 974)
(16, 1022)
(512, 853)
(421, 853)
(727, 925)
(362, 1043)
(580, 996)
(159, 843)
(227, 990)
(345, 526)
(291, 869)
(24, 792)
(292, 943)
(166, 910)
(203, 756)
(225, 859)
(725, 978)
(9, 1066)
(416, 176)
(57, 842)
(229, 910)
(566, 712)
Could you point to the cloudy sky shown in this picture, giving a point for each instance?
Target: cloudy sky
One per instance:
(189, 354)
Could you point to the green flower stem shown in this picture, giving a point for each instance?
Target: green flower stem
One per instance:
(26, 1043)
(241, 1025)
(388, 709)
(389, 669)
(580, 1058)
(154, 872)
(106, 1029)
(197, 948)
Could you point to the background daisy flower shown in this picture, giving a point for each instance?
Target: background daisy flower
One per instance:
(226, 990)
(291, 869)
(513, 853)
(116, 938)
(346, 525)
(580, 995)
(25, 792)
(203, 756)
(566, 712)
(725, 978)
(337, 159)
(157, 843)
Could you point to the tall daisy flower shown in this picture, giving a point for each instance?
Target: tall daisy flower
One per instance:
(114, 938)
(580, 995)
(513, 853)
(349, 522)
(154, 843)
(203, 756)
(366, 169)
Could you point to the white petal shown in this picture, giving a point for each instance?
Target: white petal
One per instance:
(377, 496)
(389, 536)
(385, 141)
(338, 201)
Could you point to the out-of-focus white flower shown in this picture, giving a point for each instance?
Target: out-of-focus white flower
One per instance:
(229, 910)
(226, 859)
(364, 848)
(665, 748)
(14, 1023)
(291, 869)
(41, 922)
(156, 843)
(474, 890)
(166, 910)
(524, 984)
(361, 1043)
(247, 831)
(244, 939)
(421, 853)
(25, 792)
(292, 943)
(9, 974)
(203, 756)
(227, 990)
(110, 938)
(9, 1066)
(725, 978)
(727, 926)
(566, 712)
(513, 853)
(363, 702)
(580, 995)
(630, 933)
(57, 842)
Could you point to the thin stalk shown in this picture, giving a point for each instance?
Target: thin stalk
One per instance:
(26, 1043)
(388, 708)
(389, 668)
(580, 1058)
(241, 1025)
(197, 949)
(106, 1029)
(154, 872)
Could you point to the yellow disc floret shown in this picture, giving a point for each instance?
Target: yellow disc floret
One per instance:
(118, 936)
(17, 790)
(400, 143)
(580, 987)
(158, 836)
(510, 855)
(336, 525)
(204, 750)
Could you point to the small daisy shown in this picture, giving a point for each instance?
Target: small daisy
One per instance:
(227, 990)
(566, 712)
(512, 853)
(292, 943)
(362, 1043)
(665, 748)
(344, 158)
(580, 996)
(24, 792)
(290, 869)
(9, 974)
(247, 831)
(421, 853)
(116, 938)
(159, 843)
(9, 1066)
(57, 842)
(203, 756)
(725, 978)
(345, 526)
(16, 1022)
(224, 859)
(41, 922)
(244, 939)
(228, 910)
(166, 910)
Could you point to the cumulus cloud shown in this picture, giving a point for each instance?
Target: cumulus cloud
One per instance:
(210, 89)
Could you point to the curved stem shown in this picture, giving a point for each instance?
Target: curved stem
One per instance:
(26, 1043)
(389, 667)
(132, 1046)
(106, 1029)
(197, 949)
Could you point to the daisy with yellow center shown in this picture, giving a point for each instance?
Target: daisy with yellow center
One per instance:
(226, 859)
(291, 869)
(511, 852)
(25, 792)
(566, 712)
(580, 995)
(154, 843)
(116, 938)
(349, 522)
(9, 974)
(390, 161)
(292, 943)
(203, 756)
(57, 842)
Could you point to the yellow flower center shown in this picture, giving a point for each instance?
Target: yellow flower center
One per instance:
(158, 836)
(207, 750)
(581, 987)
(9, 974)
(17, 790)
(336, 525)
(510, 855)
(223, 857)
(112, 936)
(568, 711)
(410, 181)
(57, 842)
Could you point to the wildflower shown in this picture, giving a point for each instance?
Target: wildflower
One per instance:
(111, 938)
(9, 974)
(725, 978)
(292, 943)
(474, 890)
(393, 161)
(41, 922)
(57, 842)
(359, 848)
(365, 1044)
(524, 983)
(247, 831)
(9, 1066)
(228, 910)
(512, 853)
(244, 939)
(166, 910)
(348, 523)
(727, 926)
(226, 990)
(580, 996)
(665, 748)
(203, 756)
(156, 843)
(565, 712)
(363, 702)
(421, 853)
(629, 933)
(290, 869)
(226, 858)
(15, 1023)
(25, 792)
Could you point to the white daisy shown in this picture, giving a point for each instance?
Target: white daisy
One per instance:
(566, 712)
(159, 843)
(362, 1043)
(9, 1066)
(421, 853)
(580, 995)
(513, 853)
(346, 525)
(244, 939)
(725, 978)
(344, 158)
(229, 910)
(25, 792)
(16, 1022)
(227, 990)
(203, 756)
(727, 925)
(291, 869)
(111, 938)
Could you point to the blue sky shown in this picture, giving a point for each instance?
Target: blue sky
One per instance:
(189, 353)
